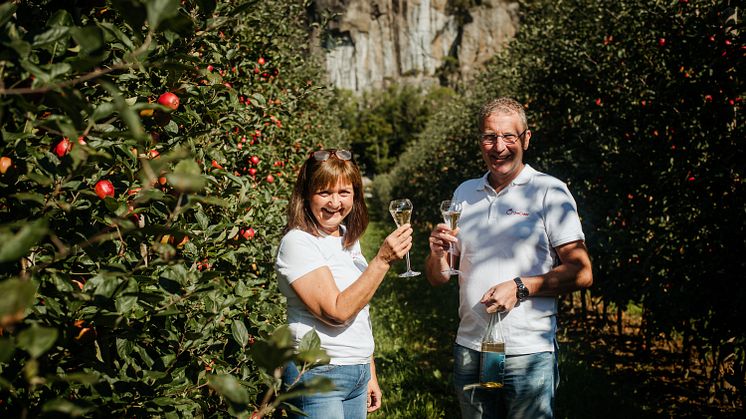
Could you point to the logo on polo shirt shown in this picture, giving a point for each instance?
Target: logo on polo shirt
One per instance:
(516, 212)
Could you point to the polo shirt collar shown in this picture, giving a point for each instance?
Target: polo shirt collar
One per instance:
(527, 173)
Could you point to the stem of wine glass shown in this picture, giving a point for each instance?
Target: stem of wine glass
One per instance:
(408, 266)
(450, 251)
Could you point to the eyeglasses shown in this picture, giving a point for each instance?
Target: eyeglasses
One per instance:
(323, 155)
(490, 139)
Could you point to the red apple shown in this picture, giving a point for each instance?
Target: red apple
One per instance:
(169, 100)
(261, 61)
(62, 147)
(662, 42)
(254, 160)
(270, 178)
(216, 165)
(104, 188)
(252, 171)
(248, 233)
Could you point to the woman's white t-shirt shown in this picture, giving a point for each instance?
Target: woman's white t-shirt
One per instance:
(301, 253)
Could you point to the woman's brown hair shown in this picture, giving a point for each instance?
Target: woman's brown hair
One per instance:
(317, 175)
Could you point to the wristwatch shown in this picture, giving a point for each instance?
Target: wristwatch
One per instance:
(521, 293)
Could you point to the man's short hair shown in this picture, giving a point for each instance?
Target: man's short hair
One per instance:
(503, 105)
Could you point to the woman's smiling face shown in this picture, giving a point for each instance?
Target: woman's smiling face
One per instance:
(331, 205)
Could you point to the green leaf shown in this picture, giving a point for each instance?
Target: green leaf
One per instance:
(18, 295)
(160, 10)
(125, 304)
(90, 39)
(20, 244)
(82, 378)
(275, 352)
(60, 18)
(209, 200)
(313, 357)
(50, 36)
(309, 341)
(125, 111)
(55, 70)
(187, 183)
(317, 384)
(240, 334)
(6, 12)
(37, 340)
(103, 110)
(229, 387)
(117, 33)
(187, 166)
(30, 196)
(65, 406)
(309, 349)
(40, 179)
(6, 349)
(23, 48)
(259, 98)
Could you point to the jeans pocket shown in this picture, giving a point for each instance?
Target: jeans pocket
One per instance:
(322, 369)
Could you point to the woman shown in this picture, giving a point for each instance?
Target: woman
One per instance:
(328, 282)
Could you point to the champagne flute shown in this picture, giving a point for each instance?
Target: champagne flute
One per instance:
(451, 211)
(401, 211)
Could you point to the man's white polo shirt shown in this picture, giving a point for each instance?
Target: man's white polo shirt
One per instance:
(508, 234)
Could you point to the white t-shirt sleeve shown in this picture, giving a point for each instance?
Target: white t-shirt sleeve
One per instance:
(298, 255)
(561, 212)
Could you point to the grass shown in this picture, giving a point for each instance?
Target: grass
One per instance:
(601, 373)
(414, 326)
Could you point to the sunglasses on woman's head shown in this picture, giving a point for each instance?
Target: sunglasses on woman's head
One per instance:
(323, 155)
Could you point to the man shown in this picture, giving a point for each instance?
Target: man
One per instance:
(520, 245)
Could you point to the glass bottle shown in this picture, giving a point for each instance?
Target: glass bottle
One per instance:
(492, 359)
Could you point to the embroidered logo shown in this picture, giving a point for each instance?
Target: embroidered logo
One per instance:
(511, 211)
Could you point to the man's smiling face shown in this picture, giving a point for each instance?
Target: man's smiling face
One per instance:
(504, 161)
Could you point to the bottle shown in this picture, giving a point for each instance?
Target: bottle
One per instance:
(492, 359)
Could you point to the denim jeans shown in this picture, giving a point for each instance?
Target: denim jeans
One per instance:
(348, 400)
(529, 386)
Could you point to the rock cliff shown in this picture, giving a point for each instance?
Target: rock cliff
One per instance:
(369, 43)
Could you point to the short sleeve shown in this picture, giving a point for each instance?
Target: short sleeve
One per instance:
(561, 216)
(298, 255)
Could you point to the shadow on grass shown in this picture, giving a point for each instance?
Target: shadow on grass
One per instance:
(605, 375)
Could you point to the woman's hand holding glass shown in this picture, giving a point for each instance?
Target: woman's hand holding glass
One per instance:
(396, 245)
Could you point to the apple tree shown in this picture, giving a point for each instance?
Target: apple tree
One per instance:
(637, 105)
(148, 151)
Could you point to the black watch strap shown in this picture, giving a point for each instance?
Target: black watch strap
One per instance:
(521, 292)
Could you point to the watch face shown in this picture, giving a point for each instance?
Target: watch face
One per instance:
(522, 291)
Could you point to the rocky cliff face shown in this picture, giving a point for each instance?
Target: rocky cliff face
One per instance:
(370, 43)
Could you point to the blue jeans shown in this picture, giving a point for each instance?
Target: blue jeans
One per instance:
(348, 400)
(529, 386)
